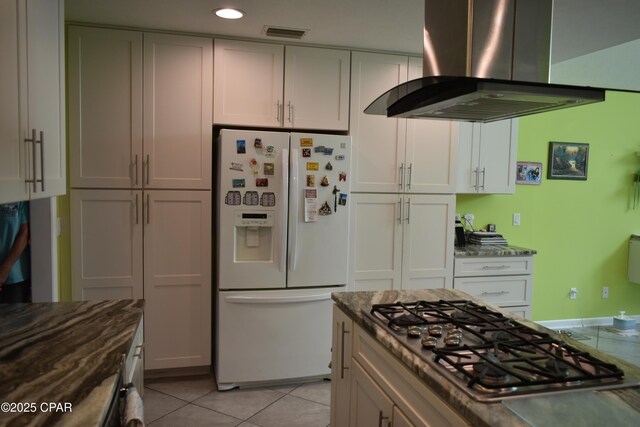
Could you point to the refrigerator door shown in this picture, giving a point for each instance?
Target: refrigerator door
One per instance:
(319, 226)
(273, 335)
(253, 176)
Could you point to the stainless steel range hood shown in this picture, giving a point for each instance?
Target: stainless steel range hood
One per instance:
(484, 60)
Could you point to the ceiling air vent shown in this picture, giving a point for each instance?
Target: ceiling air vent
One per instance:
(289, 33)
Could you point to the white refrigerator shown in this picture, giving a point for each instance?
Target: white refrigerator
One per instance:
(282, 247)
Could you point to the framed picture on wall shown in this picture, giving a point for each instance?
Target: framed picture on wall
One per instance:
(529, 173)
(568, 160)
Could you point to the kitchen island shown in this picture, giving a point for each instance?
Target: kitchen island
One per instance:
(410, 372)
(60, 363)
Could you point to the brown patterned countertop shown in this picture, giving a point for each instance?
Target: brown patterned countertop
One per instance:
(614, 407)
(68, 354)
(492, 250)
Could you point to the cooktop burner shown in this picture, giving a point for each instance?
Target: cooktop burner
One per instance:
(490, 356)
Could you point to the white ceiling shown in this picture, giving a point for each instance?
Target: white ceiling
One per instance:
(580, 26)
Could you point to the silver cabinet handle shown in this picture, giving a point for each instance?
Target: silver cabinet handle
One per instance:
(400, 211)
(495, 267)
(477, 181)
(41, 142)
(401, 183)
(495, 293)
(32, 140)
(278, 111)
(146, 170)
(409, 211)
(483, 177)
(147, 209)
(342, 367)
(137, 216)
(135, 168)
(410, 172)
(290, 108)
(382, 418)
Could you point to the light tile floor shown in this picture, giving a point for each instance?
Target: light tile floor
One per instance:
(195, 401)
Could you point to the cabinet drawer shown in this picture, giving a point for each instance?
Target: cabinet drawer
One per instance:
(499, 290)
(493, 266)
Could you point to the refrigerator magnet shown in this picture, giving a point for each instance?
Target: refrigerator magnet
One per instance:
(268, 199)
(325, 209)
(262, 182)
(251, 198)
(325, 181)
(233, 198)
(311, 180)
(342, 176)
(329, 166)
(238, 183)
(340, 157)
(306, 142)
(268, 169)
(306, 152)
(253, 163)
(328, 151)
(257, 144)
(241, 146)
(312, 166)
(270, 150)
(310, 205)
(319, 149)
(237, 166)
(342, 201)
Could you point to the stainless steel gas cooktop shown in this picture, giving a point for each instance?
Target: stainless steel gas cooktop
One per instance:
(490, 356)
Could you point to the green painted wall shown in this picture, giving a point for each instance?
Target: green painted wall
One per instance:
(580, 229)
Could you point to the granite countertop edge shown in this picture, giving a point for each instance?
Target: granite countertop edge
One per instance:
(487, 414)
(492, 250)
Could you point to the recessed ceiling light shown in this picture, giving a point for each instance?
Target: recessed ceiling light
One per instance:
(228, 13)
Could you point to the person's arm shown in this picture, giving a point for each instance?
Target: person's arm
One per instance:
(19, 245)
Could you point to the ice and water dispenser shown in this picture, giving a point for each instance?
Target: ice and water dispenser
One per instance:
(254, 236)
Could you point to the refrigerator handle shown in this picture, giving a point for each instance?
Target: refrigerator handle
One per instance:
(293, 211)
(283, 221)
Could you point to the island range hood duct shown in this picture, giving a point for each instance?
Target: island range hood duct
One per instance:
(484, 60)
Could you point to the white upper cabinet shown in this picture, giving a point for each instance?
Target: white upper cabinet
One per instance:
(134, 125)
(105, 107)
(177, 133)
(262, 84)
(397, 155)
(32, 134)
(487, 157)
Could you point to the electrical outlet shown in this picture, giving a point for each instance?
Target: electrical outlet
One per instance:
(605, 292)
(469, 218)
(516, 219)
(573, 293)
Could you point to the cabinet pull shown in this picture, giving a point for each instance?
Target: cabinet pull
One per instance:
(146, 170)
(138, 351)
(495, 293)
(483, 176)
(382, 418)
(400, 211)
(410, 172)
(135, 169)
(401, 183)
(147, 209)
(342, 367)
(137, 216)
(495, 267)
(41, 142)
(290, 108)
(409, 211)
(278, 111)
(477, 181)
(32, 140)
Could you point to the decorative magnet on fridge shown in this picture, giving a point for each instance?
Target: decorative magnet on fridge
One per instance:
(306, 152)
(270, 150)
(325, 181)
(257, 144)
(342, 176)
(311, 180)
(325, 209)
(268, 169)
(329, 166)
(306, 142)
(241, 146)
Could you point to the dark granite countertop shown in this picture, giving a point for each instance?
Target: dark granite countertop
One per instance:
(537, 411)
(65, 353)
(491, 250)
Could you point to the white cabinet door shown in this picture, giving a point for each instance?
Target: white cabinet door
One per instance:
(248, 83)
(177, 111)
(32, 92)
(431, 150)
(487, 157)
(378, 142)
(14, 158)
(370, 406)
(427, 256)
(341, 363)
(316, 88)
(375, 257)
(177, 279)
(106, 249)
(105, 107)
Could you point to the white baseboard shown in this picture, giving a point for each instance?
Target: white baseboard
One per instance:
(578, 323)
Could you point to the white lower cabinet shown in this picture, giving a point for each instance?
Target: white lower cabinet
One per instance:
(505, 281)
(134, 360)
(154, 244)
(377, 389)
(401, 241)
